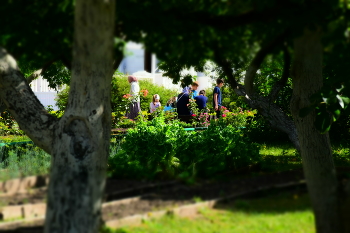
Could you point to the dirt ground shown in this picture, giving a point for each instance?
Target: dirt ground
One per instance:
(160, 195)
(171, 189)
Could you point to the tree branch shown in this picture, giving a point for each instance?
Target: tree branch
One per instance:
(258, 59)
(39, 72)
(66, 62)
(285, 75)
(271, 112)
(34, 76)
(23, 105)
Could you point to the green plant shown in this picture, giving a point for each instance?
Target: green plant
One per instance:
(221, 148)
(8, 125)
(124, 122)
(166, 149)
(153, 145)
(24, 161)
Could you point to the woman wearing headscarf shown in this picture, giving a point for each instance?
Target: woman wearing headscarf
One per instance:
(134, 107)
(183, 100)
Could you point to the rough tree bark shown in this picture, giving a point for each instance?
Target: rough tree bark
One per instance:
(79, 141)
(81, 138)
(20, 100)
(316, 150)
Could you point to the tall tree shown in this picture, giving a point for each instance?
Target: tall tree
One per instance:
(79, 141)
(236, 32)
(318, 162)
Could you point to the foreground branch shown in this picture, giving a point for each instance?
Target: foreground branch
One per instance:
(23, 105)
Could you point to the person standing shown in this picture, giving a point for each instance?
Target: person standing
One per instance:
(155, 103)
(194, 91)
(183, 100)
(134, 107)
(217, 96)
(201, 100)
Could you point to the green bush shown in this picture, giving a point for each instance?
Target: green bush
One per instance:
(155, 148)
(22, 160)
(8, 125)
(220, 148)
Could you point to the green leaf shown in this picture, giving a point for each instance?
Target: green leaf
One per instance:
(341, 101)
(346, 101)
(323, 122)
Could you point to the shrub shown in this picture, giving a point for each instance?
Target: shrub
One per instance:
(22, 160)
(156, 148)
(8, 125)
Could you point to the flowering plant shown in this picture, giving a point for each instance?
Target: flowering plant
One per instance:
(126, 96)
(237, 117)
(144, 92)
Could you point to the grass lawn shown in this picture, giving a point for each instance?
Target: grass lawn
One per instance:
(287, 149)
(281, 212)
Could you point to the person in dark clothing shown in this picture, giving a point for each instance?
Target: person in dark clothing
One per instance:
(217, 96)
(182, 104)
(201, 100)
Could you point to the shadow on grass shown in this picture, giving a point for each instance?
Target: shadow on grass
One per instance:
(271, 201)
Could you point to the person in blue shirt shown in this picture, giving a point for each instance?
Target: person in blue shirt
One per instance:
(194, 91)
(201, 100)
(217, 96)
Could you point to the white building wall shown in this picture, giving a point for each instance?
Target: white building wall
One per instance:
(45, 94)
(134, 59)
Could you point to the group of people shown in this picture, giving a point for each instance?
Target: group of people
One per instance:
(134, 107)
(182, 101)
(201, 100)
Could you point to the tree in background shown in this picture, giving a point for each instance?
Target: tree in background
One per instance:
(236, 33)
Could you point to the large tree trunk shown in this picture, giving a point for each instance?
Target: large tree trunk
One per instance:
(81, 139)
(316, 151)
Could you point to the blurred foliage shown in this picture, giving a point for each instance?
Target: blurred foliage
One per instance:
(21, 160)
(45, 36)
(8, 125)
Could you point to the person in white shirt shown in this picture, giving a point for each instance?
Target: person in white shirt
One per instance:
(134, 107)
(155, 103)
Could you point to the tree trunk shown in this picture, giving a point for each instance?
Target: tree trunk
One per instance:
(81, 138)
(316, 150)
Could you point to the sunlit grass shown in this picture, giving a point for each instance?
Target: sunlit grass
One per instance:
(282, 213)
(278, 150)
(287, 149)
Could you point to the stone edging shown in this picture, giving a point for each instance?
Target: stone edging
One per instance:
(22, 185)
